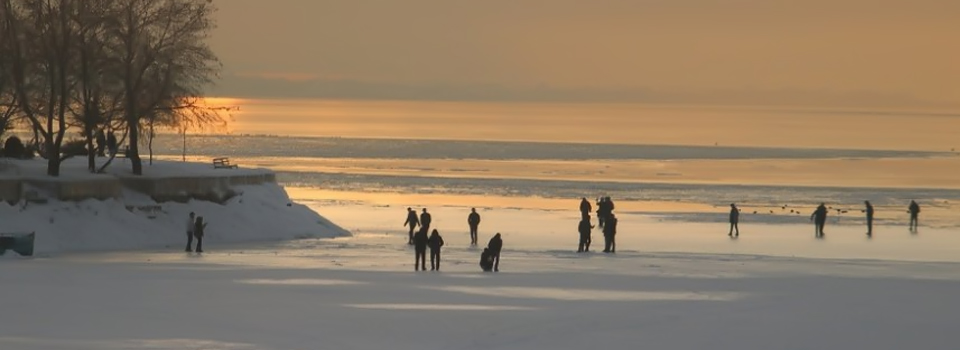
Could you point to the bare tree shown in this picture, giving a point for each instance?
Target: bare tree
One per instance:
(163, 59)
(40, 61)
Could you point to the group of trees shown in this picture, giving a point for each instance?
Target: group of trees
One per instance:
(81, 66)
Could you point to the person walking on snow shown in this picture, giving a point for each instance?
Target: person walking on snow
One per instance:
(420, 241)
(425, 220)
(869, 211)
(610, 234)
(435, 242)
(495, 245)
(914, 216)
(198, 229)
(474, 221)
(584, 229)
(413, 222)
(191, 225)
(819, 218)
(734, 219)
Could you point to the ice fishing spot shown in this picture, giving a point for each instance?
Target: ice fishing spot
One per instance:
(591, 294)
(302, 282)
(441, 307)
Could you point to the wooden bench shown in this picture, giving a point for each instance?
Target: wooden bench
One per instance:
(223, 163)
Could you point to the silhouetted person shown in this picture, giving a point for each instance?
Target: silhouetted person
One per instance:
(869, 212)
(425, 220)
(112, 143)
(474, 221)
(584, 229)
(819, 218)
(486, 260)
(198, 228)
(734, 219)
(602, 211)
(412, 221)
(191, 225)
(420, 241)
(585, 207)
(101, 143)
(914, 215)
(495, 245)
(435, 242)
(610, 235)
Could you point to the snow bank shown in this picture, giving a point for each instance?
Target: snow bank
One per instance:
(134, 220)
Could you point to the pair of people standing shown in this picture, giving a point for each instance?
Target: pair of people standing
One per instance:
(490, 257)
(420, 244)
(607, 221)
(195, 228)
(412, 221)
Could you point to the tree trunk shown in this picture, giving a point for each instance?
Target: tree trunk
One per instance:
(91, 152)
(150, 142)
(134, 148)
(184, 145)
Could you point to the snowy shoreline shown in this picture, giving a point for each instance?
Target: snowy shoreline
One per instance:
(100, 212)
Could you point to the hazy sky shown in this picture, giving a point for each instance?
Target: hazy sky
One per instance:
(830, 52)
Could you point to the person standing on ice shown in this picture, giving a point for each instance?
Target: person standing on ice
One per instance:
(420, 241)
(474, 221)
(585, 207)
(914, 216)
(435, 242)
(495, 245)
(819, 218)
(412, 221)
(601, 211)
(734, 219)
(198, 229)
(425, 220)
(869, 211)
(584, 230)
(610, 235)
(191, 224)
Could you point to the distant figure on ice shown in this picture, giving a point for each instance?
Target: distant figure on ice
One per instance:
(486, 260)
(734, 219)
(914, 216)
(474, 221)
(420, 241)
(112, 143)
(610, 235)
(603, 210)
(819, 218)
(869, 212)
(495, 245)
(425, 220)
(198, 228)
(584, 229)
(413, 222)
(585, 207)
(435, 242)
(191, 225)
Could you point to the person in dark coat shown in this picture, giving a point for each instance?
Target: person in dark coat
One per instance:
(420, 241)
(425, 220)
(435, 242)
(601, 211)
(734, 219)
(112, 143)
(101, 143)
(412, 222)
(914, 215)
(474, 221)
(584, 229)
(198, 228)
(495, 245)
(486, 260)
(191, 226)
(869, 212)
(819, 218)
(610, 235)
(585, 207)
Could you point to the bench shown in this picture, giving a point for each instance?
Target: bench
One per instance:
(223, 163)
